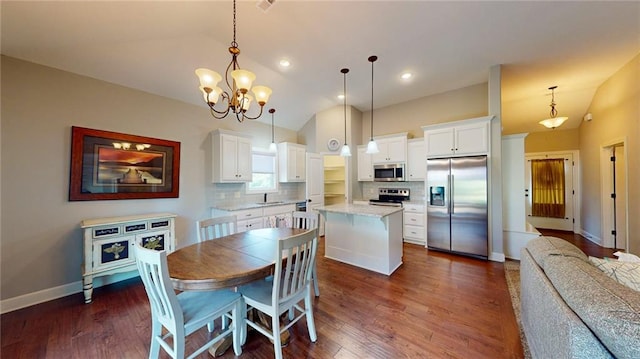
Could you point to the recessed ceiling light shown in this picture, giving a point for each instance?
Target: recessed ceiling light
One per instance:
(406, 75)
(285, 63)
(341, 97)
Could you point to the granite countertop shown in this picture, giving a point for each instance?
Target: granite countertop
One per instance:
(362, 210)
(241, 206)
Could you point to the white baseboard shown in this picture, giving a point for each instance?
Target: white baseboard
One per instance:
(496, 257)
(45, 295)
(595, 239)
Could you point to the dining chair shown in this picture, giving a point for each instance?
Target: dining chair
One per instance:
(216, 227)
(289, 285)
(184, 313)
(308, 220)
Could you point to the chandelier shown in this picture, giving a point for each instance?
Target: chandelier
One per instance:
(237, 100)
(553, 121)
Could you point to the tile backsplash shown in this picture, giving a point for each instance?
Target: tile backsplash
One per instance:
(227, 194)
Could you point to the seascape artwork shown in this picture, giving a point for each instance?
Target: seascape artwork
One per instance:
(129, 167)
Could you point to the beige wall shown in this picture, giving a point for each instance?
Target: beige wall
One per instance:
(616, 113)
(461, 104)
(41, 243)
(553, 140)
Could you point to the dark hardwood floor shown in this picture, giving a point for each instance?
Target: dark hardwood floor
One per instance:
(436, 305)
(588, 247)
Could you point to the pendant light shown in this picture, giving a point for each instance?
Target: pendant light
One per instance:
(272, 146)
(345, 151)
(553, 121)
(372, 146)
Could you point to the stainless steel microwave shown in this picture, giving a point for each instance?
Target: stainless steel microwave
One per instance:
(389, 172)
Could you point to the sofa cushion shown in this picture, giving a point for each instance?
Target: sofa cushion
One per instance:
(543, 247)
(627, 273)
(609, 309)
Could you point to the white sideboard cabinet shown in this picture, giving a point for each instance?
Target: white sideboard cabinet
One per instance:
(231, 153)
(459, 138)
(108, 243)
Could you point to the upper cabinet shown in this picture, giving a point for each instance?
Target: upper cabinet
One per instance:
(231, 156)
(365, 167)
(468, 137)
(291, 162)
(393, 149)
(416, 160)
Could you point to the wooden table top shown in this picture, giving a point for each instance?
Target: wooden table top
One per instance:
(227, 261)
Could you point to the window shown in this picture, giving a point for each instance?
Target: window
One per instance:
(265, 174)
(548, 188)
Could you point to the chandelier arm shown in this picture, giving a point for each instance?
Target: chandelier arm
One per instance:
(215, 113)
(244, 114)
(224, 113)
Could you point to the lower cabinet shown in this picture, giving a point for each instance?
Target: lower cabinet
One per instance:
(262, 217)
(108, 243)
(414, 229)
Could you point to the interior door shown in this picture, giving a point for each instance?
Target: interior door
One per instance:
(315, 185)
(563, 224)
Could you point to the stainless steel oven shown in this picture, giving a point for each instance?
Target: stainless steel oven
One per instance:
(389, 172)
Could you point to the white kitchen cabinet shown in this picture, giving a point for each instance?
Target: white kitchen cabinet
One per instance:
(414, 220)
(259, 217)
(393, 149)
(291, 162)
(460, 138)
(365, 165)
(231, 153)
(108, 243)
(416, 160)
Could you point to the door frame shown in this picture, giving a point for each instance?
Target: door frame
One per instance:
(575, 179)
(606, 185)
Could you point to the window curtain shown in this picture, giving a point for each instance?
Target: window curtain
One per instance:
(548, 190)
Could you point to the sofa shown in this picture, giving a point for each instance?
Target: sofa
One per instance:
(572, 309)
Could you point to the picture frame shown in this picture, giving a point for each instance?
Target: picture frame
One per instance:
(109, 165)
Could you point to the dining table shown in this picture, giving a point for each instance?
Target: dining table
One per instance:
(226, 262)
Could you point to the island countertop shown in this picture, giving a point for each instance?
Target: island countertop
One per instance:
(362, 210)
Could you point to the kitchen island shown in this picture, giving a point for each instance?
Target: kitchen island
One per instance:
(365, 236)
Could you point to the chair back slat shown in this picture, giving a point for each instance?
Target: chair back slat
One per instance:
(305, 220)
(293, 269)
(216, 227)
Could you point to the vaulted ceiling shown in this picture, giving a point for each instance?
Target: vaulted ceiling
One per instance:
(155, 46)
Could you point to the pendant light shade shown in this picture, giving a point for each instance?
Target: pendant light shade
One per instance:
(553, 121)
(345, 151)
(272, 146)
(372, 146)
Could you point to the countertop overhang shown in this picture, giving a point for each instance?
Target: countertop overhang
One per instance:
(238, 207)
(361, 210)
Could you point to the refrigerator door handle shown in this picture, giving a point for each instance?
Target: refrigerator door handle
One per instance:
(451, 195)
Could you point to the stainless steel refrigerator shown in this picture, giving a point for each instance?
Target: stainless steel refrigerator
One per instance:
(457, 205)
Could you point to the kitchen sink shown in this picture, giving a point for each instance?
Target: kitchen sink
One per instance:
(269, 203)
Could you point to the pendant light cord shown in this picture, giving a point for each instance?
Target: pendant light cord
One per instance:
(345, 71)
(372, 59)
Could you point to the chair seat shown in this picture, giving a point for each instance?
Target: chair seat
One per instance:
(196, 305)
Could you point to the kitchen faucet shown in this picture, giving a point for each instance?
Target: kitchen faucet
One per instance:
(265, 198)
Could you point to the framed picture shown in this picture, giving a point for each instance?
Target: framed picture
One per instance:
(109, 165)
